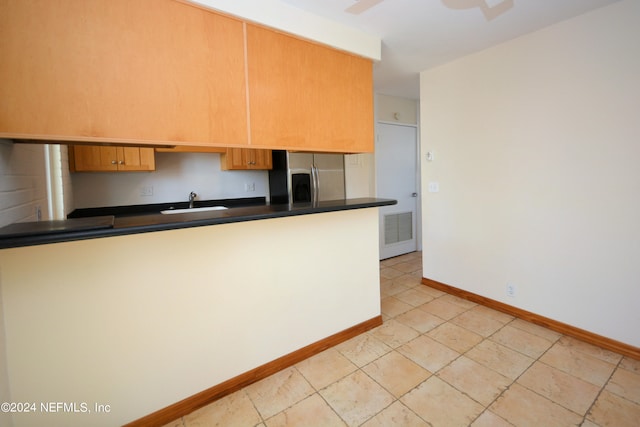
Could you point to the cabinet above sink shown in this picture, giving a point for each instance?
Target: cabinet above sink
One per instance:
(95, 158)
(246, 159)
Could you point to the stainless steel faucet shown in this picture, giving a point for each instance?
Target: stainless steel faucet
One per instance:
(192, 197)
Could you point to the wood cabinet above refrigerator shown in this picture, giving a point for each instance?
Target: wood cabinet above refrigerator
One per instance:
(305, 96)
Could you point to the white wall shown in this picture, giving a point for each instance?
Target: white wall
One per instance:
(143, 321)
(536, 146)
(176, 175)
(396, 109)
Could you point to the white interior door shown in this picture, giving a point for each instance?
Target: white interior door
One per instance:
(396, 178)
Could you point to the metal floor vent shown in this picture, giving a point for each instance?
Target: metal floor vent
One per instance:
(398, 227)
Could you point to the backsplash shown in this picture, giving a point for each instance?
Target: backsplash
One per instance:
(23, 183)
(176, 175)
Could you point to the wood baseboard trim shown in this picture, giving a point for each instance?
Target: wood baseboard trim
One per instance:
(554, 325)
(190, 404)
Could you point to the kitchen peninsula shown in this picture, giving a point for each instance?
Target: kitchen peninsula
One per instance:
(160, 314)
(153, 316)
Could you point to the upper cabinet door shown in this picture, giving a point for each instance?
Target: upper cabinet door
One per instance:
(96, 158)
(136, 159)
(93, 158)
(246, 159)
(306, 96)
(143, 71)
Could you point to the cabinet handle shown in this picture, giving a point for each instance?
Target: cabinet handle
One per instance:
(113, 162)
(121, 162)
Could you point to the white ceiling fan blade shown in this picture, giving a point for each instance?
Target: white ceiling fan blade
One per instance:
(491, 9)
(491, 12)
(361, 6)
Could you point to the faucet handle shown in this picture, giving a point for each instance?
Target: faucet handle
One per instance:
(192, 195)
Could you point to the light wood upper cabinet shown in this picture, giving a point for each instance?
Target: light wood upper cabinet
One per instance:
(165, 72)
(143, 71)
(260, 159)
(91, 158)
(246, 159)
(306, 96)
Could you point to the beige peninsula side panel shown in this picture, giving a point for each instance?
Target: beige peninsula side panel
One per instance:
(140, 322)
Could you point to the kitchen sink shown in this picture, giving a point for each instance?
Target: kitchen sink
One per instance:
(192, 210)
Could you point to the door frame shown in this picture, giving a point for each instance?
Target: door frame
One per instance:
(418, 165)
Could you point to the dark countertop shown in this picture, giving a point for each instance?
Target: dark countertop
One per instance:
(120, 211)
(117, 224)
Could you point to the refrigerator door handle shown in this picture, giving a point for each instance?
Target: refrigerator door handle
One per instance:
(316, 184)
(316, 197)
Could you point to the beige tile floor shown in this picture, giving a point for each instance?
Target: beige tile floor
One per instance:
(439, 360)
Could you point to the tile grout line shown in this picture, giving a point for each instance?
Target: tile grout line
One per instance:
(255, 408)
(521, 374)
(317, 391)
(395, 349)
(553, 367)
(486, 407)
(584, 418)
(435, 373)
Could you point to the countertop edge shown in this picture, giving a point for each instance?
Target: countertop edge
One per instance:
(158, 222)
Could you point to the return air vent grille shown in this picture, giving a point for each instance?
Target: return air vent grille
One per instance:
(398, 227)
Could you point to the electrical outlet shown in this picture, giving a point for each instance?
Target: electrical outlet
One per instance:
(146, 191)
(511, 290)
(434, 187)
(250, 186)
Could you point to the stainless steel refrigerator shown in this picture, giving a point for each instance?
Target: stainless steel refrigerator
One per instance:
(306, 177)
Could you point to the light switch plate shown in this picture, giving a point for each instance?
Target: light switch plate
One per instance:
(146, 191)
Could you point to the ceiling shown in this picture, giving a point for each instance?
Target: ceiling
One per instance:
(420, 34)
